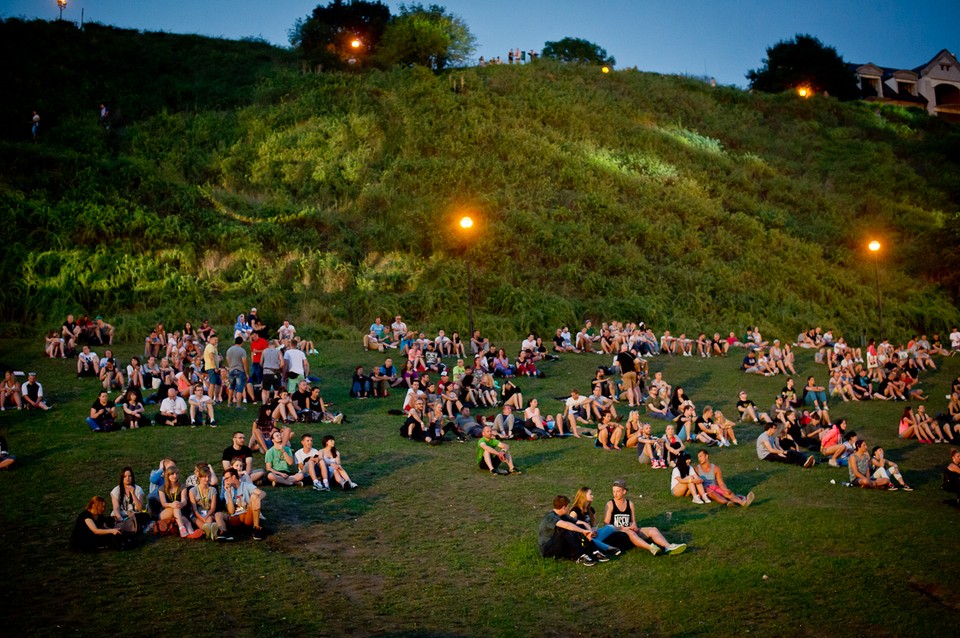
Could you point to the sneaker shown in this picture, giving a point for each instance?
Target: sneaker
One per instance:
(500, 471)
(516, 470)
(148, 528)
(213, 424)
(197, 533)
(749, 499)
(353, 485)
(731, 504)
(317, 485)
(674, 548)
(698, 500)
(586, 559)
(614, 551)
(183, 532)
(810, 462)
(600, 557)
(214, 532)
(891, 488)
(224, 537)
(259, 534)
(907, 488)
(706, 499)
(654, 549)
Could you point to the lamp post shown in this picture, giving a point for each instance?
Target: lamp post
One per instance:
(466, 230)
(63, 5)
(874, 247)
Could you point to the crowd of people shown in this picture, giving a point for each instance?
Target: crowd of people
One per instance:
(185, 373)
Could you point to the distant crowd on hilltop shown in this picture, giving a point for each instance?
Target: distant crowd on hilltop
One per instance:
(514, 56)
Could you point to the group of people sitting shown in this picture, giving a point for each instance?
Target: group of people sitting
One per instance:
(204, 505)
(575, 531)
(27, 395)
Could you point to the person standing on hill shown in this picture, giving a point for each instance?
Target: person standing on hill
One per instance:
(35, 126)
(238, 371)
(211, 365)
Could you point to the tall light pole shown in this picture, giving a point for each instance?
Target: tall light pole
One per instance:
(63, 5)
(874, 247)
(466, 233)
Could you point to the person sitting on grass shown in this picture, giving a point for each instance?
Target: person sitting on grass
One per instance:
(242, 501)
(815, 395)
(93, 531)
(310, 463)
(279, 459)
(582, 511)
(768, 449)
(200, 403)
(861, 472)
(909, 428)
(10, 392)
(173, 410)
(88, 363)
(715, 487)
(130, 504)
(559, 536)
(832, 442)
(882, 468)
(6, 459)
(951, 477)
(503, 423)
(573, 411)
(750, 365)
(239, 450)
(684, 481)
(619, 512)
(173, 503)
(748, 410)
(203, 505)
(31, 392)
(672, 446)
(110, 375)
(53, 346)
(331, 458)
(609, 432)
(650, 448)
(103, 413)
(491, 453)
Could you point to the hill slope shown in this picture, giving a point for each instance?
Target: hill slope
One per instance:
(332, 198)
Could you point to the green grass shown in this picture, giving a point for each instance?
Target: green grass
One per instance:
(431, 546)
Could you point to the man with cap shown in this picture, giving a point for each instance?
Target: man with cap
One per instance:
(619, 513)
(32, 393)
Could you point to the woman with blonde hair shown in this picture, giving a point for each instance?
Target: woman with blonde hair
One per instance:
(581, 509)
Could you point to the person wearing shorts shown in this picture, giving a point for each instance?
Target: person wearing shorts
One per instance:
(272, 363)
(242, 500)
(715, 487)
(491, 453)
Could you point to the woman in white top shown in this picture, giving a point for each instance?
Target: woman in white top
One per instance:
(684, 481)
(332, 459)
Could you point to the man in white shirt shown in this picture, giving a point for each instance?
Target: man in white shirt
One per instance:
(296, 365)
(955, 339)
(311, 462)
(572, 412)
(32, 393)
(173, 410)
(286, 331)
(88, 363)
(529, 344)
(399, 328)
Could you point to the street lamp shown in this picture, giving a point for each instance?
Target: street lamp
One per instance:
(63, 5)
(466, 230)
(874, 247)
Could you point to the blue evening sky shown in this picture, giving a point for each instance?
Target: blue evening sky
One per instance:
(719, 38)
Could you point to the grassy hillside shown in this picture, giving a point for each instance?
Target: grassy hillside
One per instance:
(332, 197)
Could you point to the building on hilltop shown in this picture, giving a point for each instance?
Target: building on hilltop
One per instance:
(934, 85)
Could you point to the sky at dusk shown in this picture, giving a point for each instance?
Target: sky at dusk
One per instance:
(719, 38)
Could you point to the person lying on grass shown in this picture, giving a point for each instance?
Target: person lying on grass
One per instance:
(768, 449)
(560, 536)
(715, 487)
(619, 513)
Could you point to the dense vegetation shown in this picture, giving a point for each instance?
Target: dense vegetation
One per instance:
(233, 178)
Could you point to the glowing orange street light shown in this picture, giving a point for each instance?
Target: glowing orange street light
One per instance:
(356, 43)
(605, 69)
(466, 228)
(63, 5)
(874, 247)
(804, 91)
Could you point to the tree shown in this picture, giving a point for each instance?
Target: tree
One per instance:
(327, 36)
(429, 37)
(577, 50)
(804, 61)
